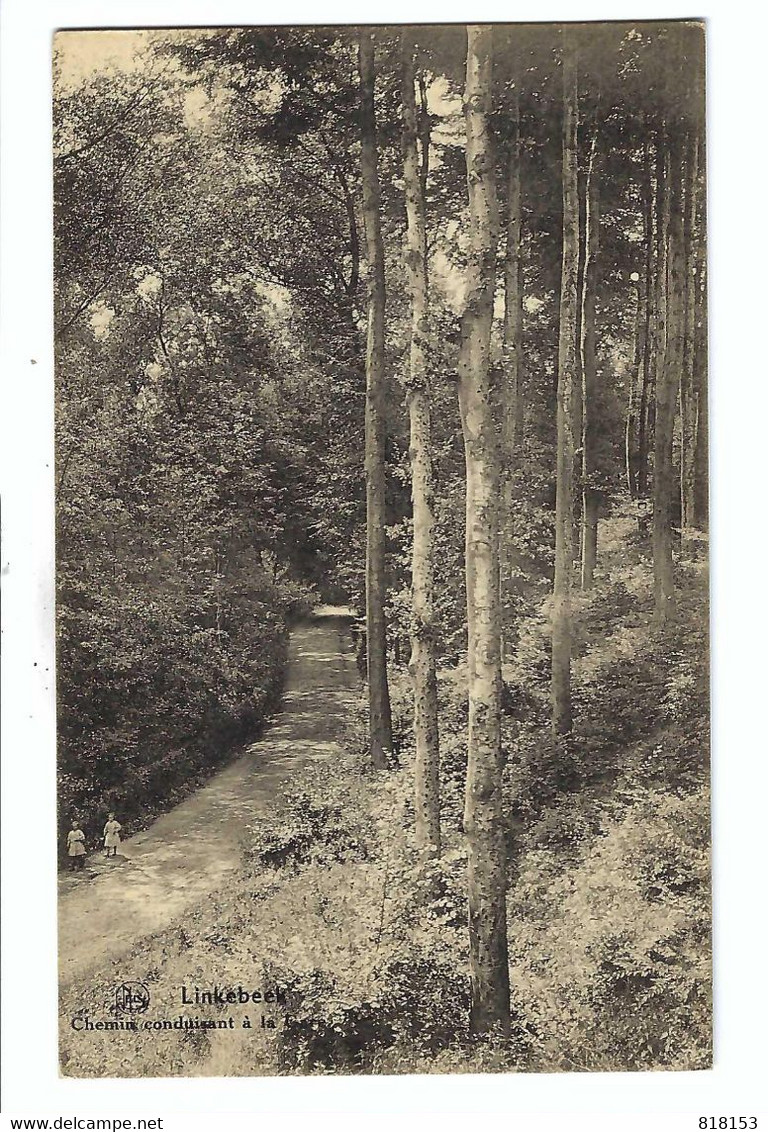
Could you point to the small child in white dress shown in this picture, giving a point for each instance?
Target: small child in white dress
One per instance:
(111, 836)
(76, 846)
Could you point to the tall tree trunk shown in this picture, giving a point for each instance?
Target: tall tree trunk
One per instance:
(646, 411)
(701, 476)
(700, 517)
(671, 312)
(483, 818)
(577, 420)
(512, 411)
(379, 712)
(635, 400)
(659, 277)
(422, 664)
(567, 375)
(688, 398)
(590, 495)
(512, 355)
(424, 132)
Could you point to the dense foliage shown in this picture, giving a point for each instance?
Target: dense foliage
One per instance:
(608, 908)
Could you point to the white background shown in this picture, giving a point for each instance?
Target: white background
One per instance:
(739, 376)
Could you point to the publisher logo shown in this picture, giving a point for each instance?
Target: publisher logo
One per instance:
(132, 998)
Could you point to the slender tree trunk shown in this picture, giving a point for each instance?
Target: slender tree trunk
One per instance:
(512, 411)
(635, 400)
(636, 388)
(567, 375)
(646, 413)
(512, 355)
(701, 474)
(354, 237)
(645, 420)
(688, 398)
(671, 312)
(422, 664)
(379, 714)
(630, 420)
(483, 818)
(424, 131)
(700, 516)
(577, 420)
(590, 496)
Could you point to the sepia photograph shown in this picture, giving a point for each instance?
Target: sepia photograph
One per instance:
(382, 511)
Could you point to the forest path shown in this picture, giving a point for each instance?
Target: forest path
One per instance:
(188, 852)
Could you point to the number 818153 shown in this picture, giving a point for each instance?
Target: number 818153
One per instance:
(727, 1122)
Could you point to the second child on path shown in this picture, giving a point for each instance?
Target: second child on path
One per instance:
(111, 836)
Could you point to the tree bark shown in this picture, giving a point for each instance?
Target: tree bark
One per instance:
(483, 818)
(700, 517)
(638, 397)
(671, 315)
(688, 398)
(578, 377)
(512, 357)
(354, 238)
(512, 411)
(379, 711)
(635, 399)
(567, 375)
(590, 496)
(645, 416)
(424, 132)
(423, 629)
(701, 473)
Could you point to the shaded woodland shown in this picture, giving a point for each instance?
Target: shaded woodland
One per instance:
(411, 320)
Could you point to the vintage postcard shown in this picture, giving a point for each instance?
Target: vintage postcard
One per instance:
(382, 512)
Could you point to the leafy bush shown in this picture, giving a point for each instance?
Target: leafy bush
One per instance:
(307, 829)
(611, 959)
(152, 703)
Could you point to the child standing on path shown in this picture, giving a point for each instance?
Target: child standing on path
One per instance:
(111, 836)
(76, 845)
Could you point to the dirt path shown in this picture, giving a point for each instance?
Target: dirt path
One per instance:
(188, 852)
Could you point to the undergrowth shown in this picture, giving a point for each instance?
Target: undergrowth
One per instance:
(608, 902)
